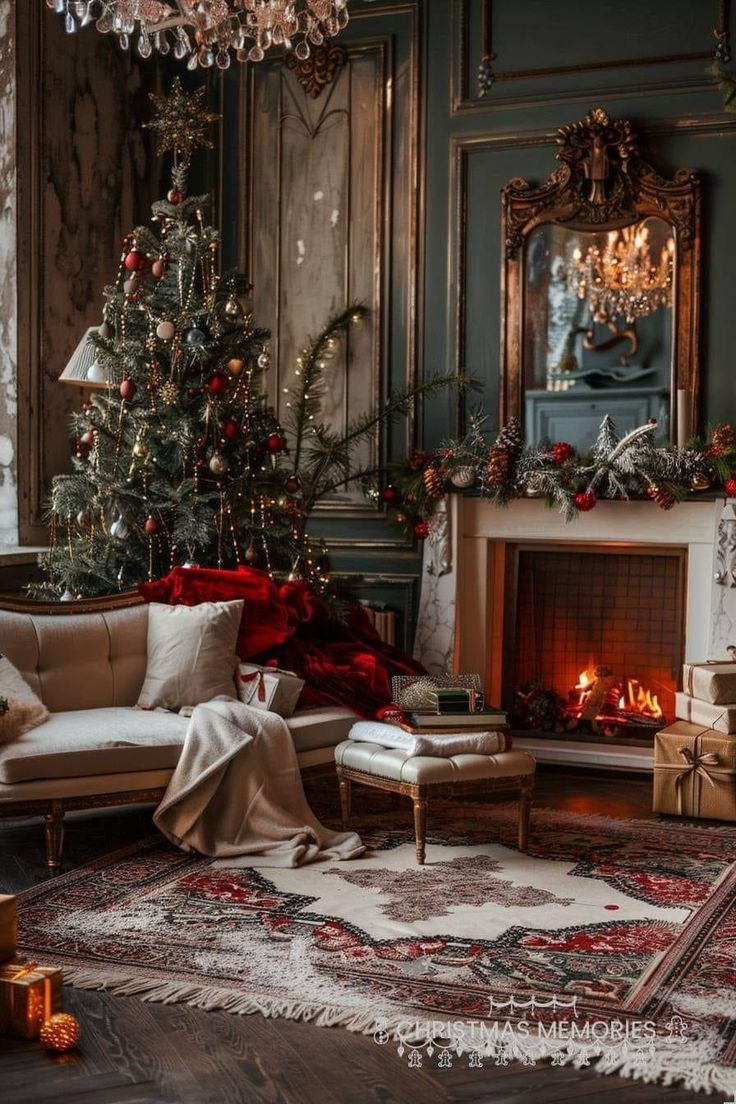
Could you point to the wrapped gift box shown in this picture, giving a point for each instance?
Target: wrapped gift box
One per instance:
(695, 772)
(7, 926)
(720, 717)
(29, 994)
(710, 682)
(269, 688)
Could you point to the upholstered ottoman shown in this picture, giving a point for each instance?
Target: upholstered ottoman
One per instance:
(421, 777)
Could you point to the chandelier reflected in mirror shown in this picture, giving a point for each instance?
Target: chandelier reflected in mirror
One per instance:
(210, 32)
(623, 277)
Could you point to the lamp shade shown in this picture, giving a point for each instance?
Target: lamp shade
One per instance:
(84, 369)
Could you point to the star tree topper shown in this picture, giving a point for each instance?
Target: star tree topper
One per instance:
(181, 122)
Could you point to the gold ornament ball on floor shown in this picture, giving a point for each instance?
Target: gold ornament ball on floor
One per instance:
(60, 1032)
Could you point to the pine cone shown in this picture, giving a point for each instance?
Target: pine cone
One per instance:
(511, 438)
(434, 481)
(662, 495)
(724, 439)
(499, 463)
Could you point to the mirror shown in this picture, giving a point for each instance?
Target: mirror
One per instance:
(601, 293)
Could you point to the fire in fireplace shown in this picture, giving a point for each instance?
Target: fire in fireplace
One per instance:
(597, 638)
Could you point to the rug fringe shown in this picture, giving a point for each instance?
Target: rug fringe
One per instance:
(689, 1064)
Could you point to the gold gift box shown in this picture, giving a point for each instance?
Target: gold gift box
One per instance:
(695, 772)
(29, 994)
(8, 930)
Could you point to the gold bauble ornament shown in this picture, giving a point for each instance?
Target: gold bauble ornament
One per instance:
(61, 1032)
(232, 308)
(462, 477)
(140, 450)
(700, 482)
(251, 556)
(235, 366)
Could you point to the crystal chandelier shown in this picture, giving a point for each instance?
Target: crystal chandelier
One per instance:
(207, 32)
(621, 279)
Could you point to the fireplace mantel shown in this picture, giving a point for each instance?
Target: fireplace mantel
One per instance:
(480, 532)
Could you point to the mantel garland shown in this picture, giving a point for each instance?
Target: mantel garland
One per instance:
(618, 467)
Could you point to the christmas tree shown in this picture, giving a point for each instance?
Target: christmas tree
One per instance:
(179, 458)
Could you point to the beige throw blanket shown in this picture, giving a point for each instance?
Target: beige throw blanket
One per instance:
(236, 793)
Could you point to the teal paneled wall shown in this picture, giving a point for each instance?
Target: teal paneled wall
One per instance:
(640, 59)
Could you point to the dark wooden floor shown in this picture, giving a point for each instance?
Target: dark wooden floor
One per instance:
(139, 1053)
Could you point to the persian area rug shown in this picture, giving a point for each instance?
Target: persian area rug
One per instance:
(611, 942)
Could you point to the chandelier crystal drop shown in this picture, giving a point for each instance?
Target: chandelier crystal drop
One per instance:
(209, 32)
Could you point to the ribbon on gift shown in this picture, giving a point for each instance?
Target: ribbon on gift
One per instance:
(260, 689)
(696, 765)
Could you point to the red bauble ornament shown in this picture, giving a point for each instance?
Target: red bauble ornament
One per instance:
(127, 389)
(585, 500)
(151, 526)
(174, 196)
(230, 428)
(730, 487)
(561, 452)
(218, 384)
(391, 713)
(389, 494)
(275, 443)
(135, 261)
(421, 530)
(88, 438)
(292, 484)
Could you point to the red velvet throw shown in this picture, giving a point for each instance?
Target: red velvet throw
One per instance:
(287, 625)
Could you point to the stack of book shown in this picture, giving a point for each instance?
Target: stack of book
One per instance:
(455, 709)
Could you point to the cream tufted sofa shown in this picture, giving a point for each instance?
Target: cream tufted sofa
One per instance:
(87, 662)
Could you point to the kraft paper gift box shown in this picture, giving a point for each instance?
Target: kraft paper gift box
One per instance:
(8, 930)
(720, 717)
(29, 994)
(269, 688)
(695, 772)
(710, 682)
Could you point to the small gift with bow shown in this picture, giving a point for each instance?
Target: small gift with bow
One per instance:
(695, 772)
(29, 995)
(269, 688)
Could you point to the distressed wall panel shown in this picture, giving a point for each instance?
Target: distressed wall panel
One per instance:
(85, 178)
(8, 279)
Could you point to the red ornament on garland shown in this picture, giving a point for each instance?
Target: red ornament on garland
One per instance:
(88, 438)
(730, 487)
(135, 261)
(292, 484)
(421, 530)
(218, 384)
(275, 443)
(127, 389)
(585, 500)
(151, 526)
(561, 452)
(174, 196)
(230, 428)
(389, 494)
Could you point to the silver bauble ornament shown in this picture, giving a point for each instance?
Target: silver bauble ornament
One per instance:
(462, 477)
(82, 517)
(218, 463)
(130, 286)
(251, 556)
(119, 529)
(96, 373)
(67, 596)
(106, 331)
(264, 360)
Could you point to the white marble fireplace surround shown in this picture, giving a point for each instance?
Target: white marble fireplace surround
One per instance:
(478, 531)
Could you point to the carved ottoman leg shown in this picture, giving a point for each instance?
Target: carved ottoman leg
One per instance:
(345, 797)
(420, 827)
(54, 837)
(525, 805)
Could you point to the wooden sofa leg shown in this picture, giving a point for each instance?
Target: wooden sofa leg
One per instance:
(54, 821)
(420, 827)
(345, 797)
(525, 806)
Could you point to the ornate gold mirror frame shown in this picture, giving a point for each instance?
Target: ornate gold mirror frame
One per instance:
(601, 183)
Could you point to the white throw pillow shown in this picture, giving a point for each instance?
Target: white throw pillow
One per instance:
(191, 654)
(25, 709)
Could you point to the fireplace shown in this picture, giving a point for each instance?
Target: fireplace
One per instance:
(663, 564)
(593, 638)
